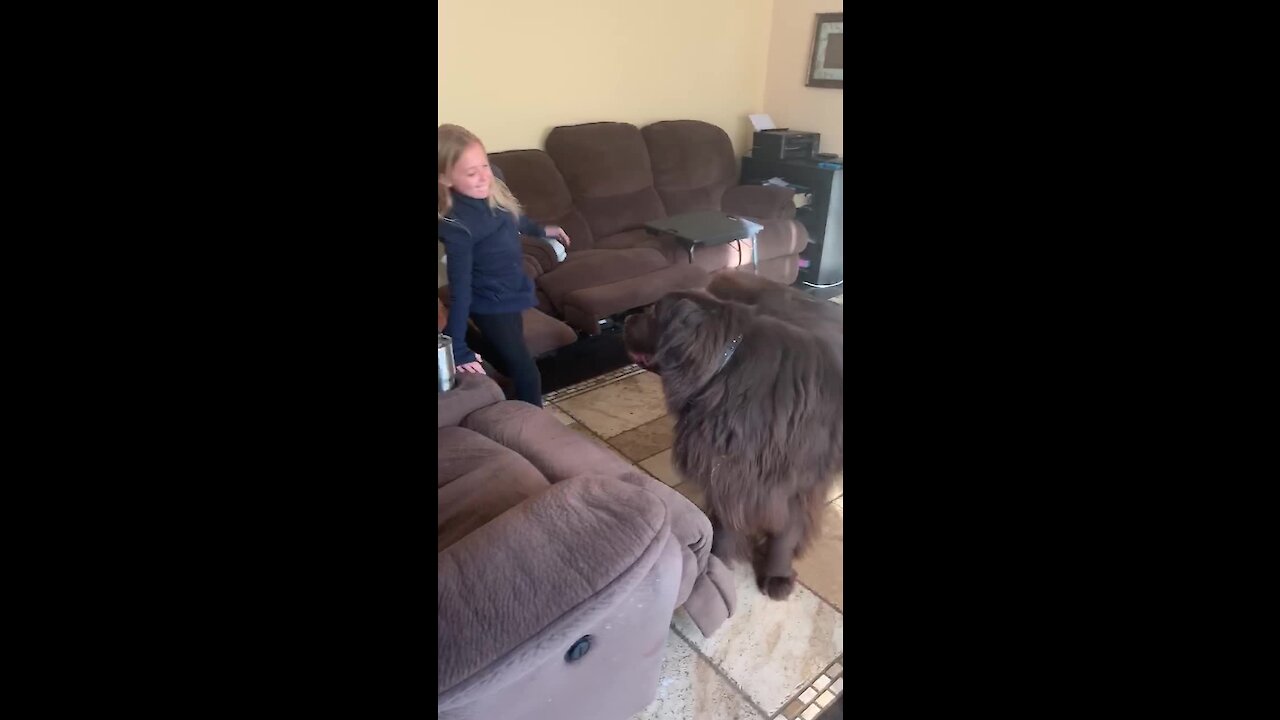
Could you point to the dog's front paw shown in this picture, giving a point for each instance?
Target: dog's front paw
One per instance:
(777, 588)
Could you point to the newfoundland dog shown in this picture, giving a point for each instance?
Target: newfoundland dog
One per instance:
(753, 372)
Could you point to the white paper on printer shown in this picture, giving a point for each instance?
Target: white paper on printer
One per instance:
(762, 122)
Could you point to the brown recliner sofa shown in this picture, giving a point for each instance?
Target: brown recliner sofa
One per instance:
(559, 567)
(592, 283)
(602, 182)
(621, 177)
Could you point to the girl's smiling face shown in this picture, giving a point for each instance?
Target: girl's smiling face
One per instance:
(470, 175)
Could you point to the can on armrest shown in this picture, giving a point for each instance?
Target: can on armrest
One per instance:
(446, 373)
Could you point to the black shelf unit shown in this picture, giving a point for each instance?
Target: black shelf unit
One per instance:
(823, 217)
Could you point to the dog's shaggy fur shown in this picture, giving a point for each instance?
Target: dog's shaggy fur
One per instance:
(764, 433)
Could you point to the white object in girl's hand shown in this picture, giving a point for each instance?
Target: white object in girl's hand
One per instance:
(559, 248)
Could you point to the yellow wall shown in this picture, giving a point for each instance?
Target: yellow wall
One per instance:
(510, 70)
(786, 98)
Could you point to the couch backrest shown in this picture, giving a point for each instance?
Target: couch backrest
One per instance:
(606, 166)
(693, 164)
(538, 185)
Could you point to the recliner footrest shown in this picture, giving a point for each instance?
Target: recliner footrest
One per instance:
(583, 309)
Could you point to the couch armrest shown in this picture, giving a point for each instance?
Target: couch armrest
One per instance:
(531, 267)
(706, 586)
(511, 594)
(760, 201)
(540, 252)
(708, 590)
(470, 394)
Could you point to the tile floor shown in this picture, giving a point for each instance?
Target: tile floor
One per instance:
(771, 659)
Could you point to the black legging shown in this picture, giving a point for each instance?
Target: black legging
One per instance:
(504, 340)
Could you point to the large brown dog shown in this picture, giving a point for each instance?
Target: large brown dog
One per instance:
(753, 371)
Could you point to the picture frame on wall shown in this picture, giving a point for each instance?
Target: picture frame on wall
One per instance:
(826, 64)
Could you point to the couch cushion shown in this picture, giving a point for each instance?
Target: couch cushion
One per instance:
(606, 167)
(693, 164)
(583, 308)
(477, 480)
(600, 267)
(542, 333)
(555, 450)
(538, 185)
(644, 239)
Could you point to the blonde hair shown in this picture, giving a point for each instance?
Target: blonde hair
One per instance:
(451, 142)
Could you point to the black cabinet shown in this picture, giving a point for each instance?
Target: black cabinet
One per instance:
(822, 262)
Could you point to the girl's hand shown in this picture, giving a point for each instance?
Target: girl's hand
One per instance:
(472, 367)
(556, 232)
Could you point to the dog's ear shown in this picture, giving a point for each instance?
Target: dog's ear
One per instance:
(675, 311)
(639, 335)
(683, 330)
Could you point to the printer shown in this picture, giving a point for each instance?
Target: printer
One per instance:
(784, 144)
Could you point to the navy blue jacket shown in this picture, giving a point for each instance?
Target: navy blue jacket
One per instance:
(485, 266)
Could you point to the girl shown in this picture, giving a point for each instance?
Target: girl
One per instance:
(480, 224)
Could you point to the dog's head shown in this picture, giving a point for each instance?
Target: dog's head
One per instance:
(640, 338)
(684, 330)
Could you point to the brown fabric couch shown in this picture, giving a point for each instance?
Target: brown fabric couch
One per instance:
(620, 177)
(602, 182)
(544, 538)
(592, 283)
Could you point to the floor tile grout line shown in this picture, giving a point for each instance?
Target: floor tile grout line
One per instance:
(720, 671)
(609, 445)
(819, 596)
(634, 464)
(809, 684)
(557, 401)
(637, 466)
(742, 691)
(590, 429)
(646, 459)
(799, 692)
